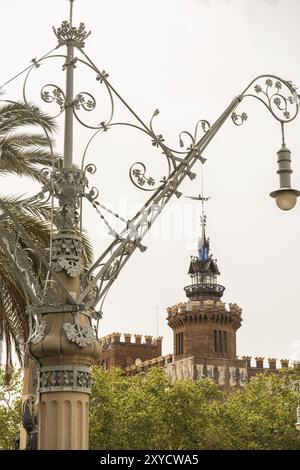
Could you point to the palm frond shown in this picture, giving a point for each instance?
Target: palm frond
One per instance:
(23, 154)
(21, 140)
(37, 209)
(88, 249)
(14, 115)
(13, 318)
(13, 162)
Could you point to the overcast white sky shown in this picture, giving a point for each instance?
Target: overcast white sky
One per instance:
(188, 58)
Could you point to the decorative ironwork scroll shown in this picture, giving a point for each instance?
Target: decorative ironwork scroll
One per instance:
(278, 95)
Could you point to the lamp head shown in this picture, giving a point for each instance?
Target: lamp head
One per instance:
(286, 198)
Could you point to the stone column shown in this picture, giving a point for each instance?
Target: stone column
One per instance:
(66, 351)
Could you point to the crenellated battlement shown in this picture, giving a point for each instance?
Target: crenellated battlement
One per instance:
(208, 305)
(204, 310)
(126, 349)
(232, 374)
(161, 361)
(268, 364)
(132, 339)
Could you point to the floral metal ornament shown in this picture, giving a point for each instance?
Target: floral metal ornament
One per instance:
(39, 332)
(68, 186)
(82, 335)
(67, 34)
(53, 94)
(279, 96)
(67, 254)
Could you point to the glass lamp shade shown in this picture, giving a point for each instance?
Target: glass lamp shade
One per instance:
(286, 198)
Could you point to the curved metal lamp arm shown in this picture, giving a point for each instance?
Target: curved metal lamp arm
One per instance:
(278, 95)
(110, 263)
(117, 254)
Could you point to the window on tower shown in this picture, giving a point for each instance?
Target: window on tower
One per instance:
(179, 344)
(220, 341)
(225, 341)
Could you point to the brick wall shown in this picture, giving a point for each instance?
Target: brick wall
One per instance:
(124, 350)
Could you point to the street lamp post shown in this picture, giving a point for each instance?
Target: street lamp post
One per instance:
(63, 343)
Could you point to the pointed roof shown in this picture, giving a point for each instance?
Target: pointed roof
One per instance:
(208, 267)
(204, 265)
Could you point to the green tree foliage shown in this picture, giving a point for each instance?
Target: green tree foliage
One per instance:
(10, 408)
(262, 416)
(148, 412)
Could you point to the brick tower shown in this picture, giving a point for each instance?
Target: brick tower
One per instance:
(203, 327)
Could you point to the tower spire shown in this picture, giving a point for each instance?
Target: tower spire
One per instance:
(203, 242)
(203, 268)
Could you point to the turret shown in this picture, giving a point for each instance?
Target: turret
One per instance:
(203, 327)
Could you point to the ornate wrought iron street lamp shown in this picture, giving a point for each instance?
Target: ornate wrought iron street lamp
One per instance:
(63, 339)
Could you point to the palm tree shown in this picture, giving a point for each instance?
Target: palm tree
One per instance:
(23, 152)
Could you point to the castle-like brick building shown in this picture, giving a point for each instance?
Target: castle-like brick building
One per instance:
(121, 351)
(204, 333)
